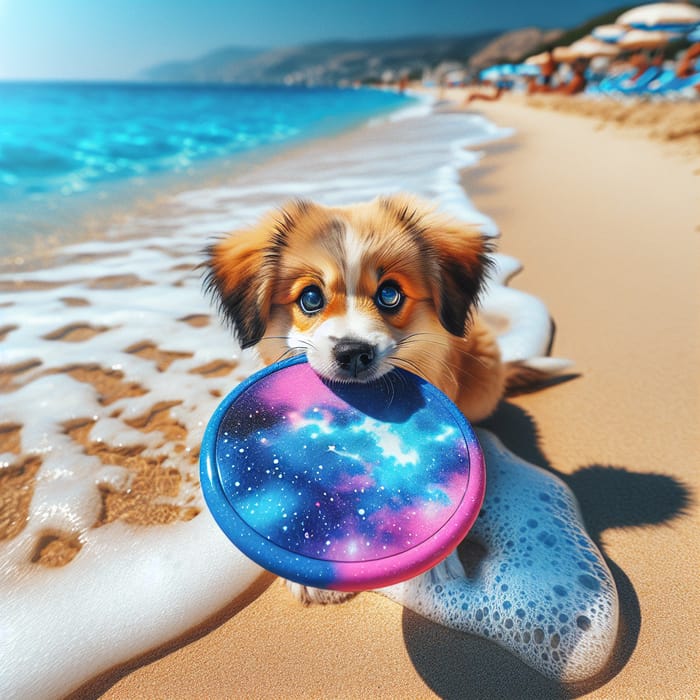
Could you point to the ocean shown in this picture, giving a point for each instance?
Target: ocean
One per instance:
(112, 359)
(70, 147)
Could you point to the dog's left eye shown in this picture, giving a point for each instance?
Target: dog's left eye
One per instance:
(389, 297)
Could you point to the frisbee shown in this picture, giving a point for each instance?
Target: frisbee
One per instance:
(343, 486)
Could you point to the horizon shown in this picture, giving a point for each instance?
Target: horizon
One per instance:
(82, 41)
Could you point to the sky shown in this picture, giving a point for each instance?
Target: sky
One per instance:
(115, 39)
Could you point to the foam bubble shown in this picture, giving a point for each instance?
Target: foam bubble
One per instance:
(542, 589)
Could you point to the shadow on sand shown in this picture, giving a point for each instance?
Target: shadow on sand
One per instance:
(456, 665)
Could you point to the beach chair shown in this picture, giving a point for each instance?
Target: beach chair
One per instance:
(638, 86)
(661, 82)
(608, 84)
(673, 86)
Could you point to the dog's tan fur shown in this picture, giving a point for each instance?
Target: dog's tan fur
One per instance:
(347, 253)
(439, 264)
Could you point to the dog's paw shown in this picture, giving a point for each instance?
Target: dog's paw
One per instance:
(318, 596)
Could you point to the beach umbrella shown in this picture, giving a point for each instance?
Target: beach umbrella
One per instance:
(497, 72)
(455, 77)
(539, 59)
(491, 73)
(589, 47)
(661, 15)
(610, 33)
(637, 39)
(564, 54)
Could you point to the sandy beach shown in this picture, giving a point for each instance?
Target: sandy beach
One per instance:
(607, 226)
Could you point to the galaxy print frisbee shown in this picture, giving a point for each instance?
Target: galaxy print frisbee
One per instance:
(341, 486)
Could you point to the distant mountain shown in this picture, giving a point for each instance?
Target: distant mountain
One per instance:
(511, 46)
(327, 63)
(208, 68)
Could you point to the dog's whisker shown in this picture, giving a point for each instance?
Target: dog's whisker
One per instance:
(409, 365)
(415, 366)
(436, 339)
(390, 386)
(291, 352)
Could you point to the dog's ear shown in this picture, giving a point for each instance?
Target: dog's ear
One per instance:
(241, 271)
(234, 277)
(455, 253)
(460, 254)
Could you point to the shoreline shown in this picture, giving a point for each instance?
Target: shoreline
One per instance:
(673, 124)
(107, 208)
(623, 435)
(412, 658)
(105, 394)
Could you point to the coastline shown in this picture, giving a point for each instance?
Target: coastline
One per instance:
(674, 124)
(591, 258)
(106, 392)
(107, 207)
(630, 464)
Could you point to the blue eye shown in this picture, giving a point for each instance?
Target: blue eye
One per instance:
(389, 297)
(311, 300)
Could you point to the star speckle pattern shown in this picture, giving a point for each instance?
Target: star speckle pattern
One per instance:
(346, 478)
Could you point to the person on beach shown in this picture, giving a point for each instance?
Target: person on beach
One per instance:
(487, 96)
(686, 64)
(547, 70)
(577, 82)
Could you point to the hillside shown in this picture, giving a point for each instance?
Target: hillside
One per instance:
(509, 47)
(325, 63)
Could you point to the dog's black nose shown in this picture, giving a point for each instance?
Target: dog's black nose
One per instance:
(353, 356)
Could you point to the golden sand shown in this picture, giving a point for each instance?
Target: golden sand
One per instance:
(675, 122)
(606, 225)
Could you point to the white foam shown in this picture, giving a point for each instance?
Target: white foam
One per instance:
(542, 589)
(132, 588)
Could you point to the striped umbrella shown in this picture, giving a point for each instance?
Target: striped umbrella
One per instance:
(661, 15)
(589, 47)
(638, 39)
(610, 33)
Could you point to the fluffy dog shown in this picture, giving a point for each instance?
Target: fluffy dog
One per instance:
(363, 289)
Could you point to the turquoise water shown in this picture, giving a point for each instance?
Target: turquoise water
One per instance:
(59, 141)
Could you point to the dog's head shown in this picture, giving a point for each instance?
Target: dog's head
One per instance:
(359, 289)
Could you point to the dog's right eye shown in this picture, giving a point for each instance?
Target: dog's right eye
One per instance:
(311, 300)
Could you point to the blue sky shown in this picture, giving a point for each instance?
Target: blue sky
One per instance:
(114, 39)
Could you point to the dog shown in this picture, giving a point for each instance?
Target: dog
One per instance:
(363, 289)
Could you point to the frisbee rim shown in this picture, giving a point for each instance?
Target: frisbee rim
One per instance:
(322, 573)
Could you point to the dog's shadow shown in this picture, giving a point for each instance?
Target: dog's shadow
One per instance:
(456, 665)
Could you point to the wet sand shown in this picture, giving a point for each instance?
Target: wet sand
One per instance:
(607, 226)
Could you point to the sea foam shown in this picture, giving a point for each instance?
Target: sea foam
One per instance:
(128, 313)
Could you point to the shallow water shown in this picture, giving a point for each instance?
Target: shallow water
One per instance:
(65, 147)
(111, 363)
